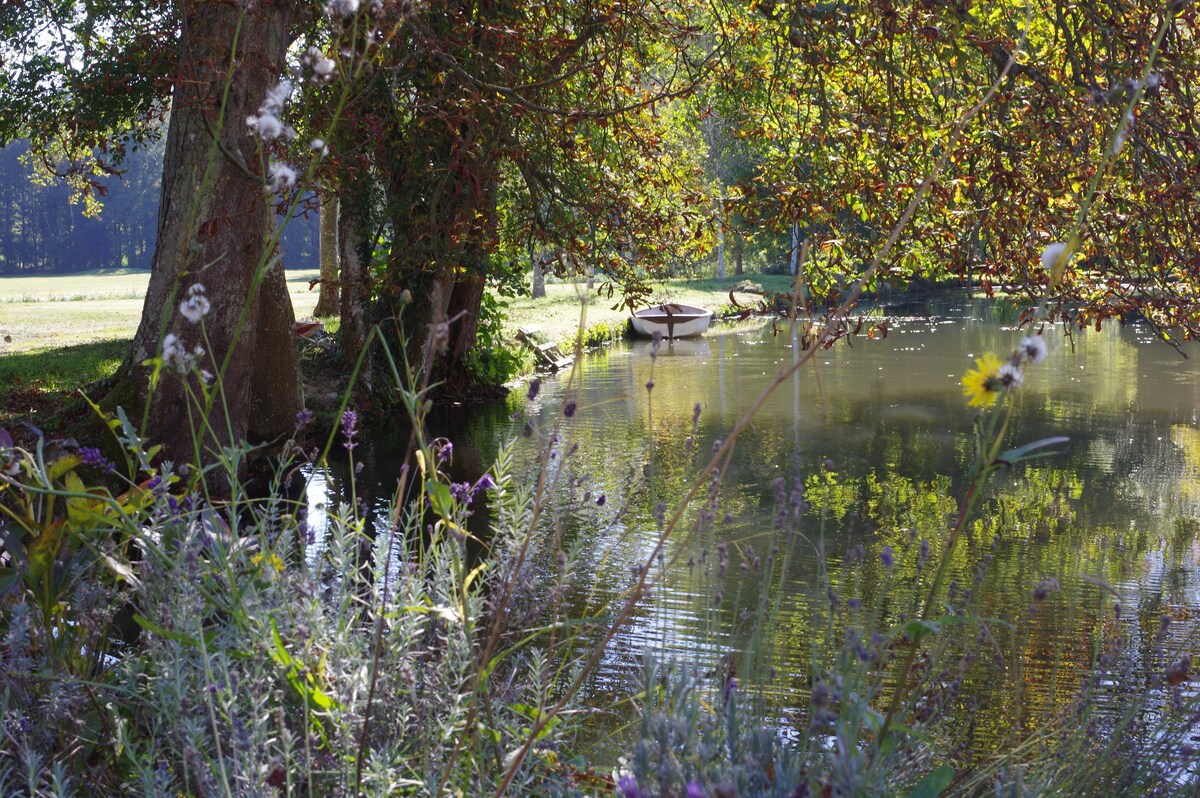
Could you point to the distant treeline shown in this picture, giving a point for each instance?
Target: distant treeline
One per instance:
(43, 232)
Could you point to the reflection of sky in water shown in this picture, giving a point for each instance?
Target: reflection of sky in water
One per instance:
(1118, 506)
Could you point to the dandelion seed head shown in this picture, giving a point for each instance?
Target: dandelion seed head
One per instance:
(266, 123)
(280, 177)
(342, 8)
(195, 305)
(1051, 256)
(1033, 348)
(1010, 376)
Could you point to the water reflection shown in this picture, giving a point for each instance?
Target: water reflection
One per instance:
(878, 436)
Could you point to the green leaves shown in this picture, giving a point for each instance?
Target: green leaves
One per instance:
(300, 676)
(934, 783)
(1029, 451)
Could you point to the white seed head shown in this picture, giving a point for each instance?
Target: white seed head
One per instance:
(1051, 255)
(1033, 348)
(280, 176)
(196, 305)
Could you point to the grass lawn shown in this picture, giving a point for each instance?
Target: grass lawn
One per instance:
(61, 332)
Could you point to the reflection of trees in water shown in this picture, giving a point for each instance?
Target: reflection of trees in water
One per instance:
(1109, 507)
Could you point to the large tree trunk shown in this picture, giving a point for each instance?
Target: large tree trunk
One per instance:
(328, 301)
(213, 226)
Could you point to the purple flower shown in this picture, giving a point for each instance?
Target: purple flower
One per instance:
(445, 452)
(569, 408)
(629, 787)
(349, 428)
(154, 484)
(461, 491)
(535, 385)
(93, 458)
(485, 483)
(600, 500)
(304, 418)
(886, 557)
(694, 790)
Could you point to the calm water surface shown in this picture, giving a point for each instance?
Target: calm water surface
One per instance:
(1119, 506)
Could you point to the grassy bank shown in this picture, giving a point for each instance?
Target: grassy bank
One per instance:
(557, 315)
(60, 332)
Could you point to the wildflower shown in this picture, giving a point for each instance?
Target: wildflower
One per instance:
(886, 557)
(629, 787)
(694, 790)
(569, 408)
(304, 418)
(93, 458)
(196, 305)
(1033, 348)
(319, 146)
(461, 492)
(341, 8)
(982, 384)
(1179, 670)
(445, 452)
(174, 355)
(1122, 133)
(485, 483)
(280, 176)
(600, 500)
(266, 122)
(349, 428)
(1054, 260)
(321, 66)
(1010, 376)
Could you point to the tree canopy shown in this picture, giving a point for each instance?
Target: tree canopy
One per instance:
(620, 137)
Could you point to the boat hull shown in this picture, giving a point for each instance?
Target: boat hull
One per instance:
(671, 321)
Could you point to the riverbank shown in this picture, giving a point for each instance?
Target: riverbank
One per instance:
(566, 307)
(61, 332)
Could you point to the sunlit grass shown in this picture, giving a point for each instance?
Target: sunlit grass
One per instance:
(59, 333)
(557, 314)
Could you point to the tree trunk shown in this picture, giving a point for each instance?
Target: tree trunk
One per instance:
(721, 242)
(739, 248)
(328, 301)
(213, 229)
(795, 259)
(354, 252)
(538, 288)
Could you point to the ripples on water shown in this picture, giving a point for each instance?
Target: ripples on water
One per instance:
(1113, 518)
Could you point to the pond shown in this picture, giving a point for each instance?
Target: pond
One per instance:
(879, 437)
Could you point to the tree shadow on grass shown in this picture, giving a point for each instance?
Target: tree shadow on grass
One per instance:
(40, 387)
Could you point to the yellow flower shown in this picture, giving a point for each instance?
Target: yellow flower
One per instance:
(982, 384)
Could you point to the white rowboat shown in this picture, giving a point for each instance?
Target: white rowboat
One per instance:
(671, 320)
